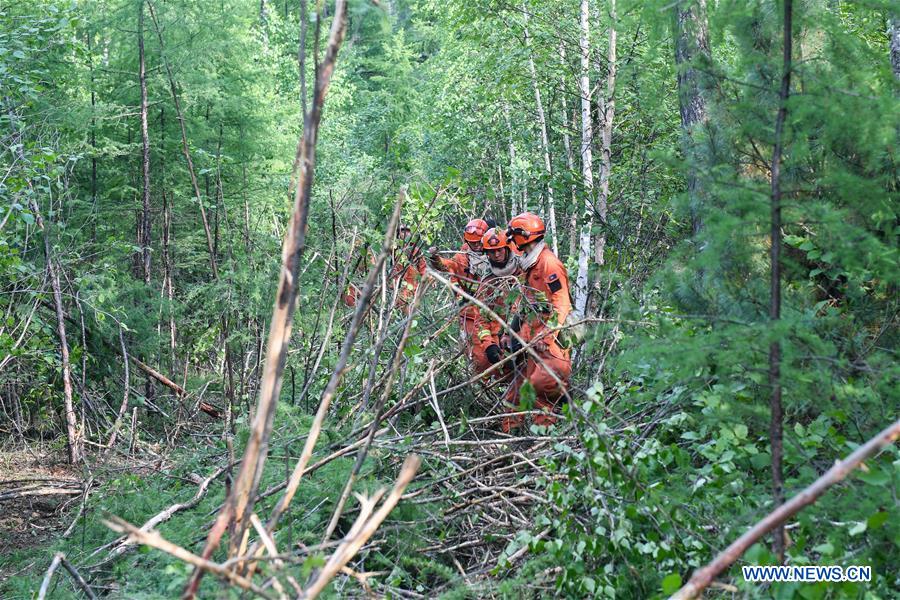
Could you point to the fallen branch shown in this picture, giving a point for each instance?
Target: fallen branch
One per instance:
(704, 576)
(179, 391)
(77, 577)
(155, 540)
(364, 527)
(45, 585)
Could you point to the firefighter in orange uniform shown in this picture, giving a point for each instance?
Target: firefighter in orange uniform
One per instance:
(493, 291)
(544, 307)
(466, 269)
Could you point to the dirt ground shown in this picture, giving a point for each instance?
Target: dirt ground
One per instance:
(39, 494)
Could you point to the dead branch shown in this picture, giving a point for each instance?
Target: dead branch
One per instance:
(704, 576)
(155, 540)
(240, 503)
(45, 585)
(363, 529)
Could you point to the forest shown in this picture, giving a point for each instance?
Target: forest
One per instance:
(449, 299)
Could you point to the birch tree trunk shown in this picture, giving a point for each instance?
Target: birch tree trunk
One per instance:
(607, 106)
(570, 159)
(691, 45)
(894, 38)
(587, 135)
(545, 143)
(514, 181)
(145, 152)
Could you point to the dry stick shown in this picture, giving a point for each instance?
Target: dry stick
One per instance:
(330, 391)
(46, 583)
(358, 536)
(179, 391)
(78, 578)
(124, 406)
(437, 407)
(269, 544)
(242, 497)
(703, 577)
(337, 299)
(379, 414)
(155, 540)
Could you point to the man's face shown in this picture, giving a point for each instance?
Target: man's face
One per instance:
(498, 256)
(475, 246)
(403, 234)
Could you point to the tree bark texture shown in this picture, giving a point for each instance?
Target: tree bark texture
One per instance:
(587, 174)
(607, 105)
(775, 433)
(545, 142)
(691, 48)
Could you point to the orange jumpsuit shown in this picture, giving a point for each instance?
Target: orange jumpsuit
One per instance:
(410, 266)
(547, 296)
(493, 292)
(461, 274)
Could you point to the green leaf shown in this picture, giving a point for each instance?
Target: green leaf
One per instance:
(858, 528)
(671, 583)
(875, 477)
(877, 520)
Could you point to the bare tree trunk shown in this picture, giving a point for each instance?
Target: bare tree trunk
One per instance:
(894, 35)
(73, 436)
(513, 171)
(570, 158)
(240, 502)
(145, 152)
(691, 46)
(184, 146)
(607, 106)
(545, 142)
(587, 135)
(775, 432)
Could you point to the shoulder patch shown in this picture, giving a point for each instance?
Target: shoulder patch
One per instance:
(554, 283)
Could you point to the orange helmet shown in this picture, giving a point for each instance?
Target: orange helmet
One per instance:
(494, 239)
(525, 228)
(474, 230)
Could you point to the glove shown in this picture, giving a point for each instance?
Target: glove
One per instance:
(493, 353)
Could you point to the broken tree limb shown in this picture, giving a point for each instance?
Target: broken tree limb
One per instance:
(703, 577)
(364, 528)
(179, 391)
(155, 540)
(45, 585)
(240, 502)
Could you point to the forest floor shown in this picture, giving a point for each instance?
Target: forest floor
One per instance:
(37, 493)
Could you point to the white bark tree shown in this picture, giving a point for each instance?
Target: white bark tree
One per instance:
(587, 174)
(545, 143)
(607, 108)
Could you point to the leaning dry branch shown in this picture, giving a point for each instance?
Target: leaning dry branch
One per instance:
(179, 391)
(364, 528)
(239, 505)
(704, 576)
(155, 540)
(45, 585)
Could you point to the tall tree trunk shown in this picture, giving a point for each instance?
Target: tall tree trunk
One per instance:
(570, 158)
(894, 35)
(145, 228)
(691, 47)
(587, 175)
(545, 142)
(607, 106)
(145, 152)
(73, 436)
(775, 432)
(184, 147)
(513, 171)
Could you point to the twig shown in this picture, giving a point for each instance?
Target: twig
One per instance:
(704, 576)
(155, 540)
(77, 577)
(46, 583)
(362, 530)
